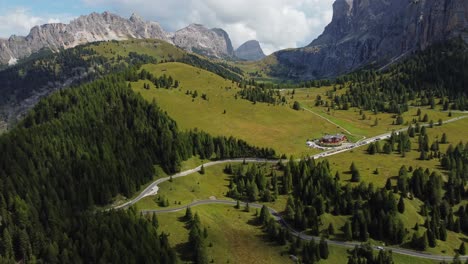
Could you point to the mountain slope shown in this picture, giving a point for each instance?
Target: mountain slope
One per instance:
(374, 32)
(82, 147)
(250, 51)
(24, 84)
(199, 39)
(107, 26)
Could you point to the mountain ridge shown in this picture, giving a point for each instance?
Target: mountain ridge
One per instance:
(107, 26)
(374, 33)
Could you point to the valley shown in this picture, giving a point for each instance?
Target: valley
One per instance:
(125, 140)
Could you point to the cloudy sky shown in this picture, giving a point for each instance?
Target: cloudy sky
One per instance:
(277, 24)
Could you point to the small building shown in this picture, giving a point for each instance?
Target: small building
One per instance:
(332, 140)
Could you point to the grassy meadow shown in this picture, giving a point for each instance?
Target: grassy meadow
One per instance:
(235, 238)
(261, 124)
(158, 49)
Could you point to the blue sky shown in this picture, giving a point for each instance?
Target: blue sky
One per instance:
(277, 24)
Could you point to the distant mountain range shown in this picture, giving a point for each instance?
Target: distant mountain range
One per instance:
(362, 33)
(377, 33)
(107, 26)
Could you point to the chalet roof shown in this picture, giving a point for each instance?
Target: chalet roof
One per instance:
(333, 136)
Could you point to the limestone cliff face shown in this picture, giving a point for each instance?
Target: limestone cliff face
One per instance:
(199, 39)
(250, 51)
(378, 32)
(107, 26)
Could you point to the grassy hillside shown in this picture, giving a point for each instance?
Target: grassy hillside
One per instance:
(279, 127)
(214, 184)
(352, 119)
(236, 240)
(389, 165)
(158, 49)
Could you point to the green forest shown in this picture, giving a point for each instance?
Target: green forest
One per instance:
(79, 148)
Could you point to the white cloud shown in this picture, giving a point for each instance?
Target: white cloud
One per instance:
(20, 21)
(277, 24)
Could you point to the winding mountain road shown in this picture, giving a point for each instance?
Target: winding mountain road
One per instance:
(295, 233)
(153, 188)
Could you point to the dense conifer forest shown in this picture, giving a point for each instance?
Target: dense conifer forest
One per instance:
(438, 72)
(373, 211)
(79, 148)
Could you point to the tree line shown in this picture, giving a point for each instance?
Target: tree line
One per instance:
(373, 212)
(437, 72)
(79, 148)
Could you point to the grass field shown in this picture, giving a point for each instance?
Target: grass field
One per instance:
(156, 48)
(389, 165)
(213, 184)
(279, 127)
(352, 119)
(236, 239)
(182, 191)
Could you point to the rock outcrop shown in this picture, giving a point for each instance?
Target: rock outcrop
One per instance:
(199, 39)
(107, 26)
(377, 32)
(250, 51)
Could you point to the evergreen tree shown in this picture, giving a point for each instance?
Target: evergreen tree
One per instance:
(443, 139)
(347, 231)
(462, 249)
(331, 229)
(401, 205)
(188, 214)
(323, 248)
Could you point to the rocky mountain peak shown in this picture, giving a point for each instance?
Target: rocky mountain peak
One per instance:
(377, 32)
(250, 50)
(107, 26)
(199, 39)
(136, 18)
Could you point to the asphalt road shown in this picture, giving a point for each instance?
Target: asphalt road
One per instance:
(154, 186)
(294, 232)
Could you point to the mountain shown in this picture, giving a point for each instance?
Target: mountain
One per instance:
(199, 39)
(107, 26)
(250, 50)
(377, 32)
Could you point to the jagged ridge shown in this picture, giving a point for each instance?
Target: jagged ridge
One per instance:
(107, 26)
(376, 32)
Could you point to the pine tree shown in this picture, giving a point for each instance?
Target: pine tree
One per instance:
(331, 229)
(323, 248)
(347, 231)
(7, 244)
(443, 232)
(401, 205)
(462, 249)
(443, 139)
(264, 215)
(424, 242)
(188, 214)
(154, 221)
(355, 176)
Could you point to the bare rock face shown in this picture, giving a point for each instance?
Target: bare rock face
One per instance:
(107, 26)
(199, 39)
(377, 32)
(250, 51)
